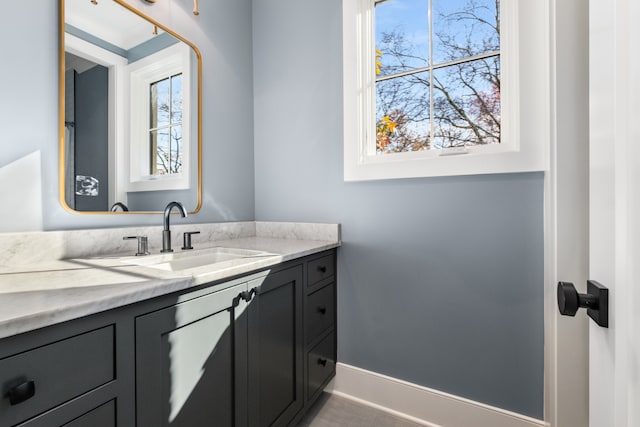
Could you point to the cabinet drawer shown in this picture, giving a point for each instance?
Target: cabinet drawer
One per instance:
(319, 312)
(102, 416)
(321, 364)
(63, 416)
(320, 269)
(47, 376)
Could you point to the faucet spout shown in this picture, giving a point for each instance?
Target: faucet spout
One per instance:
(166, 232)
(120, 205)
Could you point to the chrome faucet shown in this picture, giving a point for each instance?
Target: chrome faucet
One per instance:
(166, 233)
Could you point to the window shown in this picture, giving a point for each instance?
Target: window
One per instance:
(433, 87)
(159, 142)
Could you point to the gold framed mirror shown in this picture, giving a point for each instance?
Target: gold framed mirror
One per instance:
(130, 111)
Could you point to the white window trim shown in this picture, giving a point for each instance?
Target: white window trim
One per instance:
(525, 97)
(169, 61)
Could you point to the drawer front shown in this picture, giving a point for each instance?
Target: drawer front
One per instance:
(102, 416)
(321, 364)
(319, 312)
(45, 377)
(76, 414)
(320, 269)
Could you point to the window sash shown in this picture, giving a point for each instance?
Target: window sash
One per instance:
(171, 124)
(427, 138)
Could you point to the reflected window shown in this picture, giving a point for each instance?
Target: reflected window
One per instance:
(160, 134)
(165, 127)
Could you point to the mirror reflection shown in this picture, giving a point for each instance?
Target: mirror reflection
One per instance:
(131, 101)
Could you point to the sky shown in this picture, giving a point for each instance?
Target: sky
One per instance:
(411, 17)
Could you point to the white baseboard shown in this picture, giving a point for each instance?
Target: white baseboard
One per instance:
(419, 404)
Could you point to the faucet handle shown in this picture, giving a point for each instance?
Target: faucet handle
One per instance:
(186, 239)
(143, 244)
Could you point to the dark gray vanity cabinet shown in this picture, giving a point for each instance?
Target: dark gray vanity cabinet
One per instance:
(191, 361)
(256, 353)
(276, 349)
(252, 351)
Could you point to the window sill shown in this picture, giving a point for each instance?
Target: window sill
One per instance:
(161, 183)
(410, 165)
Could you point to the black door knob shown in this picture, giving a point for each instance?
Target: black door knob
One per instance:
(596, 301)
(569, 300)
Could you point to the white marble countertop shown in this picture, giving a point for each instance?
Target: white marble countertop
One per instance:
(44, 293)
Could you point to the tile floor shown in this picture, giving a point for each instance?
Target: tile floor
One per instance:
(334, 411)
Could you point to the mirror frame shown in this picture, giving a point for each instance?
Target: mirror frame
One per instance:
(61, 112)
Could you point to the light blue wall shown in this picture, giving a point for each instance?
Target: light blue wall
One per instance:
(440, 279)
(223, 34)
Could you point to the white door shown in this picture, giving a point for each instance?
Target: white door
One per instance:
(614, 169)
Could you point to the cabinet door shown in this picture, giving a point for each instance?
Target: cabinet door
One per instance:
(276, 348)
(189, 362)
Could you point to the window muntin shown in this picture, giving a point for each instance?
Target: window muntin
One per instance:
(437, 66)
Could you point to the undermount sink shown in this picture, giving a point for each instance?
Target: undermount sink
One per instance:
(187, 260)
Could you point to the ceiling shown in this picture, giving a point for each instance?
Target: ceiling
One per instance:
(109, 21)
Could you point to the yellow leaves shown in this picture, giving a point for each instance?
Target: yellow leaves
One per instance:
(384, 128)
(378, 61)
(388, 125)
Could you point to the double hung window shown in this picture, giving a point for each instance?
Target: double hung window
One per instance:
(434, 87)
(160, 137)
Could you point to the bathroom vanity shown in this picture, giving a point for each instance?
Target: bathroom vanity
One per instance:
(254, 348)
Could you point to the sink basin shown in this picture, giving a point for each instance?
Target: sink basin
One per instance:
(187, 260)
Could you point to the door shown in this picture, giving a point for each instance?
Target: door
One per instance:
(614, 174)
(275, 348)
(191, 362)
